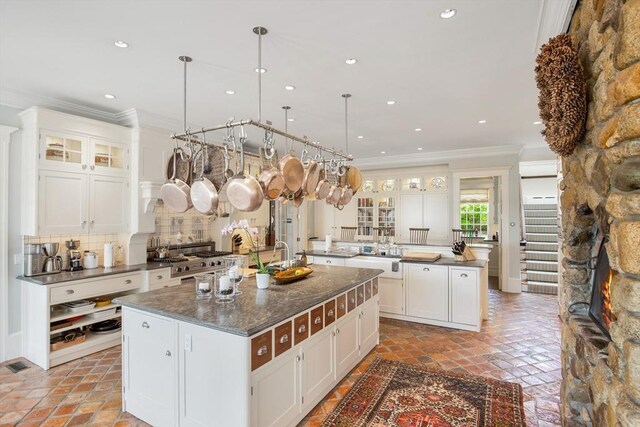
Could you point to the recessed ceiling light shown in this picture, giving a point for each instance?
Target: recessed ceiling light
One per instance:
(537, 123)
(419, 148)
(447, 13)
(482, 122)
(291, 120)
(391, 102)
(261, 70)
(230, 92)
(383, 152)
(109, 96)
(120, 43)
(351, 61)
(290, 87)
(418, 129)
(360, 136)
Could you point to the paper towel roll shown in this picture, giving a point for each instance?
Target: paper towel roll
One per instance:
(109, 258)
(327, 243)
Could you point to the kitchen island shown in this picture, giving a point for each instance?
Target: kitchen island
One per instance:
(266, 359)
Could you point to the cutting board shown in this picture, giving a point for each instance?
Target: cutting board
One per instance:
(421, 256)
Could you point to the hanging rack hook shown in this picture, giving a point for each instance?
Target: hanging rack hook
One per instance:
(269, 151)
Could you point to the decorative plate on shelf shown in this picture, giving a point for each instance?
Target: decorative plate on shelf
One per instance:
(438, 183)
(388, 185)
(367, 186)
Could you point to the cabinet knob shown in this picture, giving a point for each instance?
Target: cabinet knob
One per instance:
(333, 334)
(84, 167)
(338, 331)
(426, 269)
(168, 353)
(159, 277)
(92, 222)
(330, 313)
(70, 291)
(317, 320)
(284, 339)
(83, 223)
(464, 275)
(145, 325)
(298, 358)
(342, 306)
(302, 329)
(127, 282)
(92, 167)
(352, 300)
(360, 295)
(262, 350)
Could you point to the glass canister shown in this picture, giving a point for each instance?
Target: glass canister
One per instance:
(224, 287)
(234, 265)
(204, 285)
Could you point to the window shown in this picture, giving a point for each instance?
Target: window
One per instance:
(474, 215)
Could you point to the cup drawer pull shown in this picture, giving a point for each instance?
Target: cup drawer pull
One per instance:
(426, 269)
(464, 275)
(127, 282)
(70, 291)
(262, 350)
(284, 339)
(159, 276)
(328, 261)
(341, 306)
(330, 313)
(302, 329)
(145, 325)
(317, 320)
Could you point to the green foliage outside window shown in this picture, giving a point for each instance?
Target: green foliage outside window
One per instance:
(475, 215)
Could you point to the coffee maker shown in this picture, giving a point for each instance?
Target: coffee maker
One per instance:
(74, 257)
(41, 258)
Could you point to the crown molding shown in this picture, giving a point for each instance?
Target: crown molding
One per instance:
(553, 19)
(435, 157)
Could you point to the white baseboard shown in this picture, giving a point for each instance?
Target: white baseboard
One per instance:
(514, 285)
(14, 346)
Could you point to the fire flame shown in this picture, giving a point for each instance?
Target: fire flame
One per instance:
(607, 312)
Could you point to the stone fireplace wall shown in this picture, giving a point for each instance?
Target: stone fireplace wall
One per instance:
(601, 190)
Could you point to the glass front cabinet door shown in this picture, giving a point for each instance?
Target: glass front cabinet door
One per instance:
(63, 151)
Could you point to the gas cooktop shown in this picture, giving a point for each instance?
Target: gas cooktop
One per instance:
(210, 254)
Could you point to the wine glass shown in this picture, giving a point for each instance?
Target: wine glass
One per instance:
(234, 266)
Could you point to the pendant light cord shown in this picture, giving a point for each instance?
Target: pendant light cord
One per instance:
(260, 75)
(346, 97)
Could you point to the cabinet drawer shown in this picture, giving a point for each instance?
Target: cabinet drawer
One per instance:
(464, 277)
(316, 320)
(283, 338)
(329, 312)
(260, 350)
(341, 306)
(367, 291)
(328, 261)
(301, 325)
(92, 288)
(374, 287)
(360, 294)
(351, 299)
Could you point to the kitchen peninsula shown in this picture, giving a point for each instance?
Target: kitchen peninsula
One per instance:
(266, 359)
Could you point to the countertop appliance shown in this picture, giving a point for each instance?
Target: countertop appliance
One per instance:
(90, 260)
(195, 259)
(74, 260)
(41, 258)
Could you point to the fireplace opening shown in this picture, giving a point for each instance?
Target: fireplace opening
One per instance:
(600, 309)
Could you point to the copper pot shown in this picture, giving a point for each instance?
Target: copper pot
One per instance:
(244, 192)
(293, 172)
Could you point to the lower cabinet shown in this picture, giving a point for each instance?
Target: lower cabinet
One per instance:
(175, 373)
(391, 295)
(150, 382)
(464, 296)
(427, 291)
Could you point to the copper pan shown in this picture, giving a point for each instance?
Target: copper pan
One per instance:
(323, 187)
(293, 172)
(244, 192)
(271, 179)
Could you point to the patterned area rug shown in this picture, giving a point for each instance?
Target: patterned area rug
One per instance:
(392, 393)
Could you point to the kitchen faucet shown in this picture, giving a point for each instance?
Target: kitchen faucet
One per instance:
(275, 246)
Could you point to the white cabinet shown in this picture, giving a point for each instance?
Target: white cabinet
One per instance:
(108, 204)
(377, 210)
(276, 392)
(329, 220)
(391, 295)
(347, 343)
(327, 260)
(160, 278)
(319, 369)
(422, 209)
(62, 206)
(41, 306)
(427, 291)
(368, 325)
(464, 296)
(150, 382)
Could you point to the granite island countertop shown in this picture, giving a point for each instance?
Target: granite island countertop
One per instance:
(255, 309)
(70, 276)
(478, 263)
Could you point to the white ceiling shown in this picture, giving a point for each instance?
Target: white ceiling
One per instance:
(444, 74)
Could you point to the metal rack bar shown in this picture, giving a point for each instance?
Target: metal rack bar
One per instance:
(306, 142)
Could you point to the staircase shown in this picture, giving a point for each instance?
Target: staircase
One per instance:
(539, 266)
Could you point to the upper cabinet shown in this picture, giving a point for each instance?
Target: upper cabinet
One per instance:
(75, 174)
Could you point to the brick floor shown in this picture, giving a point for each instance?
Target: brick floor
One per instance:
(520, 343)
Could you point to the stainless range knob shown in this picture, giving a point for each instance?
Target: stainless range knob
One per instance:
(178, 269)
(203, 264)
(186, 268)
(212, 263)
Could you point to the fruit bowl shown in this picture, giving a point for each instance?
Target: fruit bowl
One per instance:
(291, 275)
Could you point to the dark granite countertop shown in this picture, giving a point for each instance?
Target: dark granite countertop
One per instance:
(256, 309)
(330, 254)
(70, 276)
(478, 263)
(400, 243)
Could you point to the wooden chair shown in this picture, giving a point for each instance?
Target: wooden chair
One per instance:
(418, 235)
(460, 234)
(347, 233)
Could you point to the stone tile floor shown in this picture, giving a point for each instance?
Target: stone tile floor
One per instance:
(520, 343)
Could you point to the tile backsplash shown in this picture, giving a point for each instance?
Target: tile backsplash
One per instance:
(190, 224)
(88, 242)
